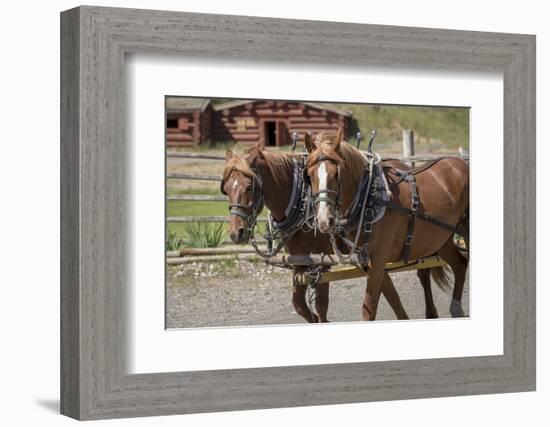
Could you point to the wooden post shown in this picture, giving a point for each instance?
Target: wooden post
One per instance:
(462, 152)
(196, 128)
(408, 144)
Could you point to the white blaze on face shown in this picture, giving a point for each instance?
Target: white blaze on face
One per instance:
(323, 209)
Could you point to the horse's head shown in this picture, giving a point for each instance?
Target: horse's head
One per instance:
(323, 167)
(243, 188)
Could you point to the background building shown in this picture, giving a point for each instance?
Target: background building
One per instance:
(192, 121)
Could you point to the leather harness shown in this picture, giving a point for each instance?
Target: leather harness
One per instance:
(371, 196)
(409, 176)
(362, 212)
(297, 213)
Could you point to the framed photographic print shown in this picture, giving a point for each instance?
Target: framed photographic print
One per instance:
(243, 196)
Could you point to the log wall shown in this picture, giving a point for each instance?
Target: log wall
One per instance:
(247, 123)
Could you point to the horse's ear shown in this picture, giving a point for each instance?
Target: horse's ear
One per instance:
(229, 155)
(339, 138)
(308, 142)
(253, 154)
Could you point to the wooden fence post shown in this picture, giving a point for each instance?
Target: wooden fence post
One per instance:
(408, 144)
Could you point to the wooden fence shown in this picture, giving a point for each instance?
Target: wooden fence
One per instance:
(244, 253)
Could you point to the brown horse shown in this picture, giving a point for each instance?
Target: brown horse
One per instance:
(241, 178)
(336, 167)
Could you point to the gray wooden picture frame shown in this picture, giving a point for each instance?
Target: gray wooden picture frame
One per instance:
(94, 41)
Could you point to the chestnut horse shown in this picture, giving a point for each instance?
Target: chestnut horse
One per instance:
(275, 172)
(336, 167)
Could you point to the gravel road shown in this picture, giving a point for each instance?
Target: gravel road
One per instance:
(241, 293)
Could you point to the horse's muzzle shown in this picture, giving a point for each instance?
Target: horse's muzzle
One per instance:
(239, 236)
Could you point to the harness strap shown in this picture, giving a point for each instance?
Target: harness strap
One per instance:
(415, 201)
(356, 208)
(238, 211)
(324, 196)
(401, 174)
(366, 218)
(297, 217)
(363, 211)
(419, 215)
(292, 210)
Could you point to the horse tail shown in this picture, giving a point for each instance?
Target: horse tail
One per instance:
(441, 277)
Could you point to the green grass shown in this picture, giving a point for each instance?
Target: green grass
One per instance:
(435, 127)
(193, 208)
(207, 146)
(214, 191)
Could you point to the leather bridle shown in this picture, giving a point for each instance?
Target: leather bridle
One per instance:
(240, 209)
(325, 195)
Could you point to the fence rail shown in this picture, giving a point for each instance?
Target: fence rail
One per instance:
(198, 198)
(228, 250)
(206, 219)
(194, 177)
(211, 258)
(428, 158)
(195, 155)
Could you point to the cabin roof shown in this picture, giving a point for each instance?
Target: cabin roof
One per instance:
(185, 105)
(316, 105)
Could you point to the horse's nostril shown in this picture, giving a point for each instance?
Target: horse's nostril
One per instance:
(238, 235)
(331, 221)
(241, 234)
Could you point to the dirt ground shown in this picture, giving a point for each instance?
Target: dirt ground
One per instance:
(239, 293)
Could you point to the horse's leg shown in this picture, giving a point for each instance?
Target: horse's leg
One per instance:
(426, 282)
(321, 301)
(391, 295)
(459, 264)
(374, 288)
(299, 299)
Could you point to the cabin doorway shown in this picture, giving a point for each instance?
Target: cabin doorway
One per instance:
(275, 133)
(271, 134)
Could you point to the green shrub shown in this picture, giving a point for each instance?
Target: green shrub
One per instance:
(204, 235)
(173, 242)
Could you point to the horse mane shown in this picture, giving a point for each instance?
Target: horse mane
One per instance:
(345, 156)
(273, 160)
(239, 164)
(277, 162)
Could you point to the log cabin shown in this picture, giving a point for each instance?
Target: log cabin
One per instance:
(248, 122)
(188, 121)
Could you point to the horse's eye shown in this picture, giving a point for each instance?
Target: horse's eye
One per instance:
(249, 188)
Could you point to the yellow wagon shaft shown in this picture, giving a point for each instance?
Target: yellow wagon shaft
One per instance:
(392, 267)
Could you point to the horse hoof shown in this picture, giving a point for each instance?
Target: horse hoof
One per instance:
(456, 309)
